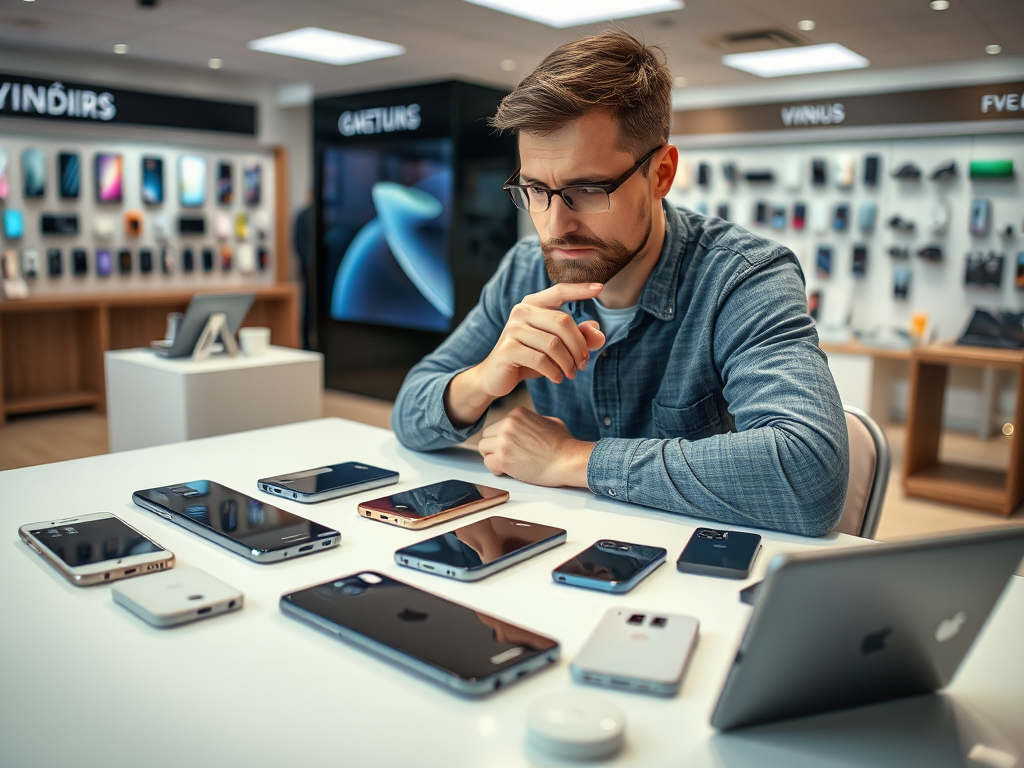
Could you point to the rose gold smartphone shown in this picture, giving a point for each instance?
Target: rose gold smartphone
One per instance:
(432, 504)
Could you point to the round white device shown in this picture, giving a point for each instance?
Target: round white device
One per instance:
(577, 726)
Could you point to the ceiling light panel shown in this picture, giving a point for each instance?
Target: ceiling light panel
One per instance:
(830, 57)
(571, 13)
(326, 46)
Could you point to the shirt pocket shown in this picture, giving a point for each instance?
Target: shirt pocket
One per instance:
(692, 422)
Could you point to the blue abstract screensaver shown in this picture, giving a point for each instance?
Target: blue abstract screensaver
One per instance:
(386, 221)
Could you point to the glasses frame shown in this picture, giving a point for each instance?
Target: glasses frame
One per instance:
(608, 187)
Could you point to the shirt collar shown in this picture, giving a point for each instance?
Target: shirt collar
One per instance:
(659, 295)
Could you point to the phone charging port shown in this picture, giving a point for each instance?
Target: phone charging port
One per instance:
(383, 517)
(202, 611)
(130, 571)
(428, 567)
(306, 548)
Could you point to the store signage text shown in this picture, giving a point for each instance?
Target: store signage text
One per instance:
(54, 100)
(380, 120)
(1007, 102)
(813, 114)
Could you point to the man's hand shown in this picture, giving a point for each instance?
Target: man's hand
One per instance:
(538, 340)
(535, 449)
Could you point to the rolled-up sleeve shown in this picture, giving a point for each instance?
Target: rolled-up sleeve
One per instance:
(786, 466)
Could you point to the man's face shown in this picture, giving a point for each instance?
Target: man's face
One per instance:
(587, 247)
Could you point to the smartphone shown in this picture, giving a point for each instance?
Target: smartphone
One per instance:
(841, 219)
(257, 531)
(68, 166)
(823, 261)
(799, 215)
(5, 182)
(225, 188)
(54, 262)
(124, 261)
(104, 262)
(981, 215)
(30, 263)
(109, 177)
(729, 173)
(167, 260)
(433, 504)
(462, 649)
(207, 259)
(779, 217)
(33, 170)
(871, 164)
(818, 172)
(191, 181)
(80, 261)
(91, 549)
(722, 211)
(253, 184)
(325, 483)
(703, 174)
(152, 180)
(177, 597)
(638, 651)
(900, 283)
(225, 258)
(761, 213)
(145, 259)
(188, 259)
(814, 305)
(1018, 281)
(713, 552)
(860, 260)
(610, 566)
(262, 258)
(477, 550)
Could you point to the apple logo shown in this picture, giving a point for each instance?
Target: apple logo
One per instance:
(950, 628)
(410, 615)
(875, 641)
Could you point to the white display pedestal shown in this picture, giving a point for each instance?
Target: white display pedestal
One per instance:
(152, 400)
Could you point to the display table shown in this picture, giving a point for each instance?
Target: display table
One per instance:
(84, 683)
(152, 400)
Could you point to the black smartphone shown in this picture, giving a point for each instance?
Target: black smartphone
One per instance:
(703, 174)
(207, 259)
(460, 648)
(191, 225)
(79, 261)
(610, 566)
(722, 211)
(860, 260)
(68, 166)
(323, 483)
(145, 259)
(799, 215)
(900, 283)
(225, 187)
(54, 262)
(188, 260)
(253, 529)
(729, 173)
(823, 261)
(152, 180)
(263, 257)
(841, 220)
(761, 213)
(124, 261)
(871, 163)
(713, 552)
(818, 172)
(479, 549)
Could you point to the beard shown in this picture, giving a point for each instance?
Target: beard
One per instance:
(611, 256)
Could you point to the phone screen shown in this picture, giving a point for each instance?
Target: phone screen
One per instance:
(93, 541)
(225, 187)
(69, 174)
(480, 543)
(253, 186)
(330, 478)
(613, 561)
(818, 172)
(109, 177)
(860, 260)
(104, 262)
(33, 167)
(431, 499)
(152, 180)
(124, 261)
(192, 180)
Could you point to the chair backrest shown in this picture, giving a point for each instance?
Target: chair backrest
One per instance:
(869, 475)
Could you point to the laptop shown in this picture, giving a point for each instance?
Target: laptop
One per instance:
(854, 626)
(235, 306)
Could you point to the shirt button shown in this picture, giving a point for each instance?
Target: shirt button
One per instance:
(670, 310)
(607, 421)
(611, 492)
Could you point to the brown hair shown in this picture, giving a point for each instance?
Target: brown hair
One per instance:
(611, 71)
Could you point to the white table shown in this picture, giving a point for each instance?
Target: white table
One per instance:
(153, 400)
(84, 683)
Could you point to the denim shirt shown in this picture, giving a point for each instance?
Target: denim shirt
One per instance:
(714, 401)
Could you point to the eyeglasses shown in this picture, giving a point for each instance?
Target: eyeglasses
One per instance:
(582, 198)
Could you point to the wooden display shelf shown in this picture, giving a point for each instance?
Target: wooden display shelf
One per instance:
(924, 476)
(51, 347)
(856, 348)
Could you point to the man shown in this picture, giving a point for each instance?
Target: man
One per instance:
(670, 357)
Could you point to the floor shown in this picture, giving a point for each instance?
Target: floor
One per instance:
(29, 440)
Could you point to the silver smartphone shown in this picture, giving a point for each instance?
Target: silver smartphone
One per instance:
(92, 549)
(640, 651)
(479, 549)
(177, 597)
(329, 482)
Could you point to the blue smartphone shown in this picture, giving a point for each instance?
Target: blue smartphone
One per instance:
(712, 552)
(324, 483)
(610, 566)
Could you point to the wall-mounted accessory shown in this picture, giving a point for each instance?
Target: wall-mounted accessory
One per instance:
(161, 228)
(103, 227)
(152, 180)
(225, 258)
(900, 283)
(124, 261)
(14, 224)
(945, 172)
(109, 177)
(907, 172)
(225, 184)
(792, 175)
(241, 226)
(104, 262)
(761, 213)
(984, 270)
(54, 262)
(981, 217)
(188, 259)
(79, 262)
(901, 252)
(860, 260)
(799, 216)
(192, 181)
(245, 256)
(818, 221)
(14, 284)
(703, 175)
(818, 171)
(1019, 280)
(940, 217)
(722, 211)
(760, 176)
(898, 224)
(844, 170)
(872, 168)
(30, 263)
(133, 223)
(932, 253)
(191, 225)
(207, 259)
(167, 260)
(866, 216)
(1006, 230)
(823, 261)
(5, 184)
(33, 172)
(779, 217)
(991, 169)
(730, 173)
(145, 260)
(841, 218)
(222, 225)
(263, 257)
(253, 183)
(58, 223)
(69, 168)
(814, 304)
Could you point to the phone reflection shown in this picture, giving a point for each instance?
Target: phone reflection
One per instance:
(434, 499)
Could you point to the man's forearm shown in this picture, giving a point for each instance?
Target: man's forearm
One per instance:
(464, 400)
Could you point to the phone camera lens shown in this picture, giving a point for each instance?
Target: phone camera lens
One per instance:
(353, 589)
(636, 618)
(607, 544)
(622, 548)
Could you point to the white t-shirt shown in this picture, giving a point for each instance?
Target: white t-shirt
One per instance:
(612, 319)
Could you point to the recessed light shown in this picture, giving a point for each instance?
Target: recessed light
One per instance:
(993, 50)
(571, 13)
(216, 63)
(829, 57)
(939, 5)
(30, 1)
(807, 25)
(509, 64)
(678, 82)
(121, 49)
(326, 46)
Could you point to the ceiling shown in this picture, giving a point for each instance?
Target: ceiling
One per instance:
(454, 39)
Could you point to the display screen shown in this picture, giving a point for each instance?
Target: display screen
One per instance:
(93, 541)
(225, 187)
(480, 543)
(192, 180)
(253, 184)
(33, 166)
(430, 499)
(608, 561)
(152, 180)
(233, 514)
(69, 174)
(386, 223)
(104, 262)
(330, 478)
(109, 177)
(424, 627)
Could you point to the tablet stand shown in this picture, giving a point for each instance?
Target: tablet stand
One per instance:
(216, 329)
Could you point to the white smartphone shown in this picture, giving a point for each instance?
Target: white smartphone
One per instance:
(640, 651)
(91, 549)
(177, 597)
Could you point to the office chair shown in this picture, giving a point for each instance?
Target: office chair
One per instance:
(869, 475)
